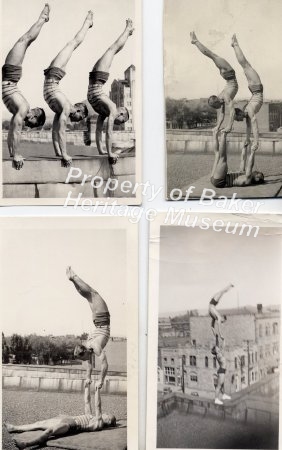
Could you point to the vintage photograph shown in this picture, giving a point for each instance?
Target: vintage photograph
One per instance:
(214, 337)
(223, 97)
(71, 99)
(69, 333)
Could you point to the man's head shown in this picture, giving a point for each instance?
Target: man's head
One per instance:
(215, 102)
(122, 115)
(109, 420)
(35, 118)
(81, 352)
(257, 177)
(240, 115)
(80, 113)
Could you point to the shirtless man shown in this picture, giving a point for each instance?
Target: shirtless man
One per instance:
(13, 99)
(220, 177)
(98, 340)
(62, 425)
(100, 102)
(214, 314)
(55, 98)
(255, 103)
(231, 88)
(218, 353)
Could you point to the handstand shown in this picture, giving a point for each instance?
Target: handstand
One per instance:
(220, 177)
(98, 340)
(255, 103)
(100, 102)
(13, 99)
(55, 98)
(218, 353)
(227, 95)
(62, 425)
(214, 314)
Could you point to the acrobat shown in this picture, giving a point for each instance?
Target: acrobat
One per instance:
(98, 340)
(226, 97)
(218, 353)
(213, 312)
(100, 102)
(12, 97)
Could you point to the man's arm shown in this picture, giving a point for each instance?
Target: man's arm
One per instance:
(255, 129)
(14, 138)
(228, 128)
(104, 368)
(99, 135)
(109, 139)
(246, 145)
(88, 366)
(98, 404)
(83, 288)
(220, 118)
(87, 399)
(62, 125)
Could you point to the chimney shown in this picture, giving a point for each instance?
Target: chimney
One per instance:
(259, 308)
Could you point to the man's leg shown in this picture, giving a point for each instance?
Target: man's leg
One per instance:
(63, 57)
(220, 63)
(221, 377)
(251, 74)
(104, 63)
(16, 55)
(220, 169)
(56, 429)
(219, 294)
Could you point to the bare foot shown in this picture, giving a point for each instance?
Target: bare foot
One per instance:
(234, 40)
(19, 444)
(18, 162)
(89, 18)
(45, 13)
(129, 26)
(10, 428)
(70, 273)
(102, 152)
(193, 37)
(67, 161)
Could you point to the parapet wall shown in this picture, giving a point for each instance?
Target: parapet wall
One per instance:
(46, 178)
(200, 141)
(48, 378)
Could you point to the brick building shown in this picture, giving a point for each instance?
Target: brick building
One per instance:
(122, 94)
(251, 351)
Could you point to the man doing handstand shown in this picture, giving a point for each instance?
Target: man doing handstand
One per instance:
(100, 102)
(231, 88)
(55, 98)
(255, 103)
(214, 314)
(218, 353)
(220, 177)
(101, 318)
(63, 424)
(13, 99)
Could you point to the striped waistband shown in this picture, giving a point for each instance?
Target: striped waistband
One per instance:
(8, 89)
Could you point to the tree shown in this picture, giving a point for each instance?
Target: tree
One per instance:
(5, 350)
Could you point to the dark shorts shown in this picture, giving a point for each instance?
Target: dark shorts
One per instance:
(98, 75)
(54, 72)
(228, 74)
(11, 73)
(221, 370)
(218, 182)
(213, 302)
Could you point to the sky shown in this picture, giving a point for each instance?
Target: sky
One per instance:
(66, 18)
(257, 24)
(37, 297)
(195, 264)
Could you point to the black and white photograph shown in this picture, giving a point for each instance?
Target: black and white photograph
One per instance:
(223, 98)
(69, 333)
(214, 336)
(71, 91)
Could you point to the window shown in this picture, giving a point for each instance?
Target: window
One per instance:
(165, 359)
(169, 371)
(252, 376)
(275, 348)
(261, 352)
(243, 380)
(206, 361)
(172, 360)
(252, 358)
(275, 328)
(193, 361)
(194, 342)
(242, 361)
(214, 362)
(256, 357)
(267, 329)
(267, 350)
(194, 378)
(235, 362)
(260, 331)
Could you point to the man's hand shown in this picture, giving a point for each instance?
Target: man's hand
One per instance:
(18, 162)
(67, 161)
(87, 382)
(113, 159)
(226, 130)
(99, 384)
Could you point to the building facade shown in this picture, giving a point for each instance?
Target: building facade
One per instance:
(122, 94)
(251, 351)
